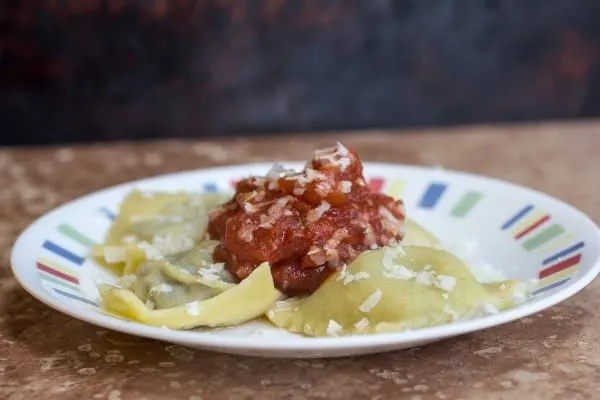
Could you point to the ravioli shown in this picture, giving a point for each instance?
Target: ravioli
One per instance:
(391, 289)
(167, 223)
(248, 300)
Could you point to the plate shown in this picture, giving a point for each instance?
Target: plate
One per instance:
(496, 225)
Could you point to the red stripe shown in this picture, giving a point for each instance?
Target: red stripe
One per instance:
(553, 269)
(375, 184)
(532, 227)
(58, 274)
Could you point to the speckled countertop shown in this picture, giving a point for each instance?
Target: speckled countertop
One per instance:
(552, 355)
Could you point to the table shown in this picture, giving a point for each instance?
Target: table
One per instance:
(552, 355)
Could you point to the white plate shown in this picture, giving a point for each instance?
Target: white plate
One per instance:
(523, 233)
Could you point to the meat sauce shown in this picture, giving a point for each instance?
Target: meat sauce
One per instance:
(305, 224)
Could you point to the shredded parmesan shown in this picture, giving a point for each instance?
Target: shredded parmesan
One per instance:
(396, 271)
(212, 272)
(345, 186)
(445, 282)
(333, 328)
(316, 213)
(171, 244)
(425, 278)
(246, 233)
(371, 301)
(314, 175)
(389, 222)
(151, 252)
(163, 288)
(322, 189)
(193, 308)
(250, 208)
(278, 171)
(338, 155)
(393, 270)
(362, 324)
(299, 191)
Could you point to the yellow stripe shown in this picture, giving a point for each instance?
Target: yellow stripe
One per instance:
(396, 188)
(553, 246)
(526, 222)
(57, 267)
(558, 276)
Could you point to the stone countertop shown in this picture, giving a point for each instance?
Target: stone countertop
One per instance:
(551, 355)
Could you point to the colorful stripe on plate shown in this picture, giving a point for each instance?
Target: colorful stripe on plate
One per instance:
(536, 232)
(466, 203)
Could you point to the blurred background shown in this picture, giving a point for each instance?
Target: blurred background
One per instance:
(94, 70)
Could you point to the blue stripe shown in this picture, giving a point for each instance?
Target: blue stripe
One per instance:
(109, 214)
(66, 254)
(432, 195)
(210, 187)
(552, 286)
(517, 217)
(563, 253)
(75, 297)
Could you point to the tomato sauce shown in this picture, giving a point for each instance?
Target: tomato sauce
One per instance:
(305, 224)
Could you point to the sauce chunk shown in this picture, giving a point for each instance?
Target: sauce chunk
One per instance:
(305, 224)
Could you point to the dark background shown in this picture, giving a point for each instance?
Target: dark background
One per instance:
(87, 70)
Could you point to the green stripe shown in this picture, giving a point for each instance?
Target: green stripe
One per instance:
(70, 232)
(466, 204)
(543, 237)
(60, 282)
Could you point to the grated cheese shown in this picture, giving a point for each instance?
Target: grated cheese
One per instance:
(213, 272)
(396, 271)
(371, 301)
(393, 270)
(299, 191)
(322, 189)
(316, 213)
(250, 208)
(425, 278)
(171, 244)
(333, 328)
(278, 171)
(193, 308)
(163, 287)
(246, 233)
(314, 175)
(362, 324)
(345, 186)
(445, 282)
(151, 252)
(128, 280)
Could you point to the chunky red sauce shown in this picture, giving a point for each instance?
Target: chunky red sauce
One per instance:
(305, 224)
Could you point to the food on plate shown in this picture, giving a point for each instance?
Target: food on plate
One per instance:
(306, 224)
(392, 289)
(315, 251)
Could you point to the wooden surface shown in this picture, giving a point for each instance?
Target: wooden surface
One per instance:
(552, 355)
